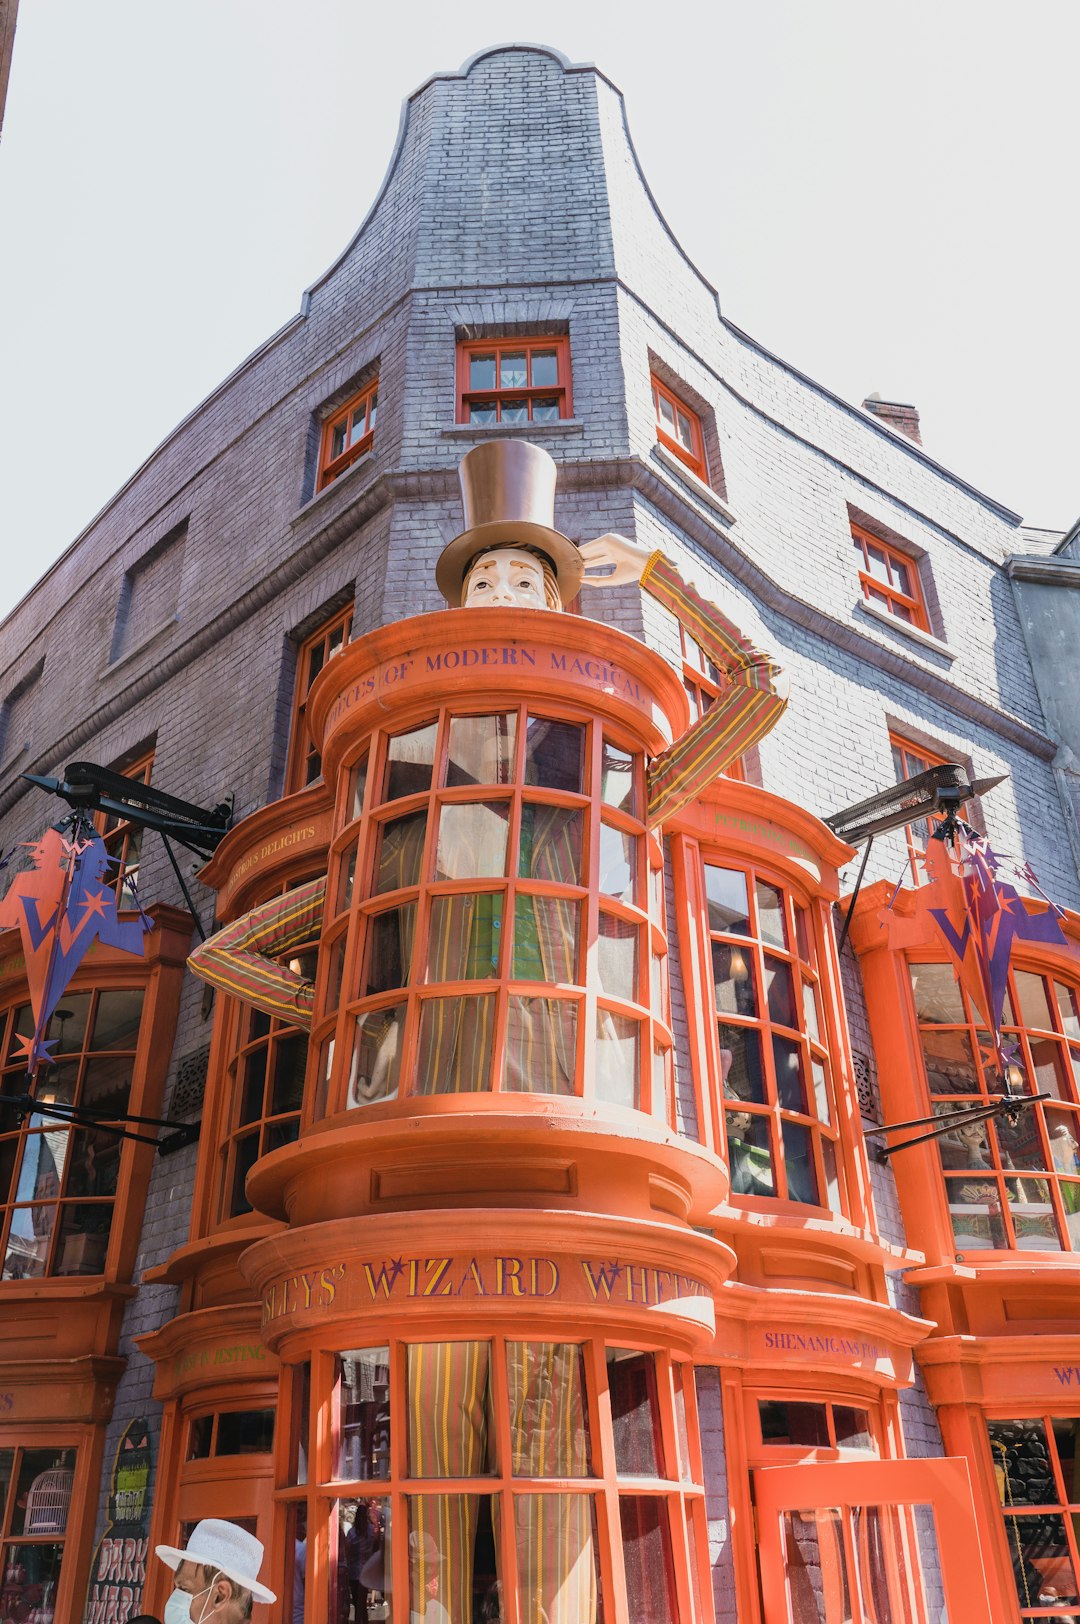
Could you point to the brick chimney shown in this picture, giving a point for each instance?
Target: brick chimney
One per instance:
(905, 419)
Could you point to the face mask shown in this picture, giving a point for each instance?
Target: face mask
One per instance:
(178, 1606)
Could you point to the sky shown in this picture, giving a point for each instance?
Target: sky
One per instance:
(885, 196)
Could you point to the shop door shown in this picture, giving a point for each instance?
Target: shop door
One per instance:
(881, 1542)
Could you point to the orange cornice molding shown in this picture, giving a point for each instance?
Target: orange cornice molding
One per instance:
(267, 846)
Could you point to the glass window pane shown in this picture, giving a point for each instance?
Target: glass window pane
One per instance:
(937, 996)
(484, 415)
(725, 890)
(549, 1431)
(821, 1090)
(363, 1562)
(376, 1064)
(852, 1428)
(780, 992)
(453, 1567)
(975, 1212)
(667, 413)
(245, 1155)
(361, 1446)
(964, 1144)
(1020, 1142)
(481, 372)
(68, 1023)
(465, 937)
(1033, 1001)
(1022, 1466)
(346, 880)
(554, 754)
(1065, 1438)
(832, 1177)
(448, 1408)
(545, 939)
(373, 411)
(541, 1045)
(245, 1432)
(618, 779)
(84, 1238)
(750, 1154)
(733, 979)
(770, 912)
(545, 410)
(618, 863)
(106, 1084)
(454, 1045)
(28, 1242)
(617, 949)
(514, 411)
(635, 1413)
(400, 852)
(950, 1062)
(358, 789)
(512, 374)
(1047, 1058)
(558, 1573)
(43, 1494)
(686, 432)
(618, 1040)
(785, 1423)
(390, 951)
(790, 1078)
(550, 846)
(1033, 1215)
(94, 1164)
(472, 840)
(646, 1537)
(481, 749)
(116, 1024)
(740, 1063)
(1068, 1003)
(545, 368)
(410, 761)
(337, 439)
(200, 1435)
(802, 1179)
(1041, 1563)
(1063, 1131)
(287, 1085)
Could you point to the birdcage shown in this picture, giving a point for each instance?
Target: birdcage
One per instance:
(48, 1500)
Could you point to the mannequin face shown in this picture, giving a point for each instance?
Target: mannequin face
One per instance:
(508, 578)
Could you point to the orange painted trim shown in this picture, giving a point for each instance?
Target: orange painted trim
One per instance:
(330, 466)
(695, 459)
(562, 390)
(873, 588)
(269, 848)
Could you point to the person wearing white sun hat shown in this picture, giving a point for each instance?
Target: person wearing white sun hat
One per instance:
(216, 1575)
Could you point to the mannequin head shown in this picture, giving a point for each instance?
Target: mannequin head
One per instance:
(510, 578)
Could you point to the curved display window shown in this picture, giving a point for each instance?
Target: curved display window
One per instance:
(496, 918)
(59, 1184)
(35, 1499)
(1037, 1470)
(1009, 1185)
(773, 1060)
(501, 1478)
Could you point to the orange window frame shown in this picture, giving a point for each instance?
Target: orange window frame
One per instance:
(908, 761)
(347, 434)
(898, 589)
(304, 764)
(123, 839)
(693, 455)
(502, 399)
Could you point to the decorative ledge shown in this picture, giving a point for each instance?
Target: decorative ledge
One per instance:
(913, 633)
(512, 431)
(1045, 571)
(696, 486)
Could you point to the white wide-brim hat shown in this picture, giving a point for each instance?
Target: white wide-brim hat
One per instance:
(224, 1546)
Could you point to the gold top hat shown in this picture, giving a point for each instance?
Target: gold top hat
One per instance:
(508, 496)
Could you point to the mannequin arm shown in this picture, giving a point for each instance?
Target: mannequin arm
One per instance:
(243, 958)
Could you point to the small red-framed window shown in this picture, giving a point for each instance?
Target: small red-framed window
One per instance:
(348, 433)
(678, 427)
(703, 682)
(123, 839)
(514, 380)
(890, 579)
(908, 761)
(305, 764)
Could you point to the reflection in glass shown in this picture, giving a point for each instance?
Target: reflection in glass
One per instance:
(852, 1428)
(635, 1416)
(725, 890)
(549, 1432)
(357, 789)
(950, 1063)
(617, 957)
(1068, 1003)
(452, 1556)
(410, 760)
(200, 1433)
(1041, 1563)
(740, 1063)
(400, 852)
(618, 778)
(362, 1403)
(116, 1025)
(481, 372)
(554, 754)
(802, 1181)
(550, 844)
(975, 1211)
(376, 1063)
(245, 1432)
(770, 910)
(481, 749)
(617, 1058)
(364, 1561)
(733, 979)
(465, 936)
(1034, 1003)
(545, 939)
(780, 992)
(541, 1045)
(390, 950)
(650, 1580)
(453, 1054)
(786, 1423)
(937, 996)
(618, 863)
(1022, 1467)
(472, 840)
(749, 1153)
(1032, 1214)
(817, 1564)
(790, 1084)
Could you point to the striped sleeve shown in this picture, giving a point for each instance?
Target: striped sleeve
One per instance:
(748, 708)
(243, 958)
